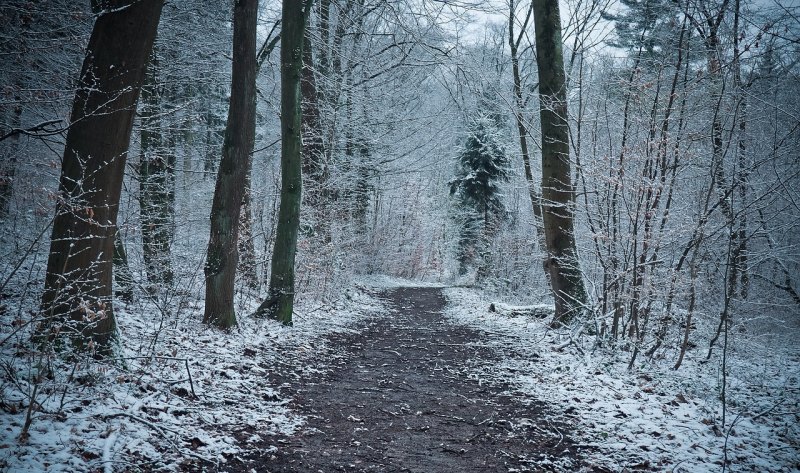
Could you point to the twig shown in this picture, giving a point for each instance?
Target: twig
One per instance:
(161, 430)
(34, 130)
(188, 372)
(23, 435)
(170, 358)
(143, 421)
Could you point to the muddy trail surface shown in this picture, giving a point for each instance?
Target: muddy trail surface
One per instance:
(407, 399)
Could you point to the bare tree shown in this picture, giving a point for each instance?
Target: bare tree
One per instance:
(514, 41)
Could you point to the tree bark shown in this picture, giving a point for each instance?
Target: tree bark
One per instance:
(223, 255)
(8, 160)
(280, 298)
(314, 166)
(77, 293)
(557, 204)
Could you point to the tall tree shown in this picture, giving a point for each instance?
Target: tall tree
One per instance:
(77, 293)
(280, 298)
(223, 254)
(566, 279)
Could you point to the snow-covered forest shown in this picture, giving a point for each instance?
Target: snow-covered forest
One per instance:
(400, 235)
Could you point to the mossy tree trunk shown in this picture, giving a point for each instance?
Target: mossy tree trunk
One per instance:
(280, 299)
(77, 295)
(557, 203)
(223, 254)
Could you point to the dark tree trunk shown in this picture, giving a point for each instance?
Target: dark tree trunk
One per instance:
(8, 159)
(313, 149)
(77, 294)
(280, 299)
(557, 207)
(223, 255)
(314, 166)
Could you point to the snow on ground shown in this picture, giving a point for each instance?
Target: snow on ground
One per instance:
(186, 395)
(652, 417)
(380, 281)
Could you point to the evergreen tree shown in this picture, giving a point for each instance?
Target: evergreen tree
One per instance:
(482, 166)
(646, 26)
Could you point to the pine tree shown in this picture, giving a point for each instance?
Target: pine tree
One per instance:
(646, 26)
(482, 166)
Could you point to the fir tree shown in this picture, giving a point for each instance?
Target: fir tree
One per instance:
(482, 166)
(644, 25)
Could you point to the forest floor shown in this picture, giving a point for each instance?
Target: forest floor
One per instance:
(384, 377)
(405, 398)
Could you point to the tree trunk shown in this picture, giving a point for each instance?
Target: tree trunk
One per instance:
(743, 166)
(77, 293)
(522, 129)
(280, 299)
(223, 255)
(8, 159)
(313, 146)
(314, 166)
(122, 271)
(557, 207)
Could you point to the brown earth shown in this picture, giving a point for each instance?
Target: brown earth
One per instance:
(405, 399)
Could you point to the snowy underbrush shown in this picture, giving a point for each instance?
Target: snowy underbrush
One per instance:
(180, 395)
(651, 418)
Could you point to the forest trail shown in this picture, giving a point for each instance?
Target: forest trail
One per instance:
(403, 400)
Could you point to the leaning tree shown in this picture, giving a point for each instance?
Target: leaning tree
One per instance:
(77, 294)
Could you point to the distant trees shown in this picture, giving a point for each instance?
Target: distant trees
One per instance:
(77, 297)
(666, 190)
(156, 178)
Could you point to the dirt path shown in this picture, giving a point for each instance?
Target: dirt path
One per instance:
(404, 401)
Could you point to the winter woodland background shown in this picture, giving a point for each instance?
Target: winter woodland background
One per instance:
(423, 116)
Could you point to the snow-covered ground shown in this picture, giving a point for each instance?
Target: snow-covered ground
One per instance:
(651, 418)
(185, 395)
